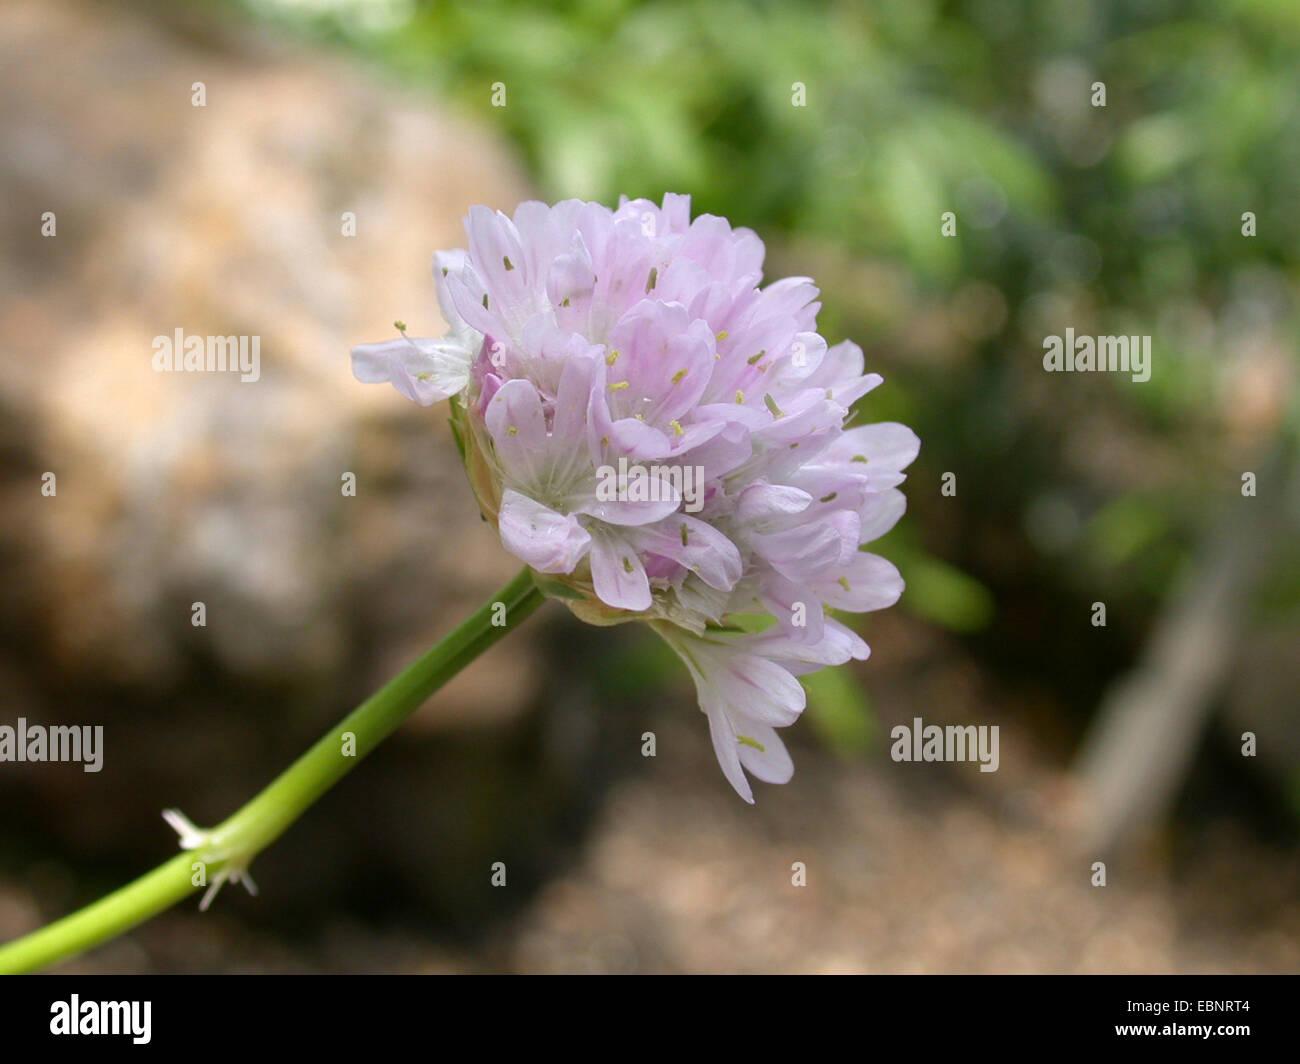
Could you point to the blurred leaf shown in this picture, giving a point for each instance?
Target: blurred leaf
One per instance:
(1120, 531)
(945, 595)
(638, 667)
(840, 711)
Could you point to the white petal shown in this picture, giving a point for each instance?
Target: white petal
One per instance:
(548, 541)
(727, 751)
(763, 753)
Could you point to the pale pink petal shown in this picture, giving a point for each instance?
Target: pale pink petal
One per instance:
(548, 541)
(617, 573)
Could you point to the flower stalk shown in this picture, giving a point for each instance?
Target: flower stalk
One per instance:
(225, 852)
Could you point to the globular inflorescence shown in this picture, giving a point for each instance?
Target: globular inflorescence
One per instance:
(661, 438)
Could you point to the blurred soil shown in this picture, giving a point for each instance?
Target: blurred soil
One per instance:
(909, 867)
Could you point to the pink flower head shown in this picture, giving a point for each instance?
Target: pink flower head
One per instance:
(665, 439)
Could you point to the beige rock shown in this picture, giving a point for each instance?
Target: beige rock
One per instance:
(174, 488)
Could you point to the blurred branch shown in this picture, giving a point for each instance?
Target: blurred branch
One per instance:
(1142, 742)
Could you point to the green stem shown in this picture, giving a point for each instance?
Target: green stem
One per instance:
(230, 847)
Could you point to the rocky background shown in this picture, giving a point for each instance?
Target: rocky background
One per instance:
(179, 488)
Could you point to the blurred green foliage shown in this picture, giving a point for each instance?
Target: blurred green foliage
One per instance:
(844, 131)
(840, 711)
